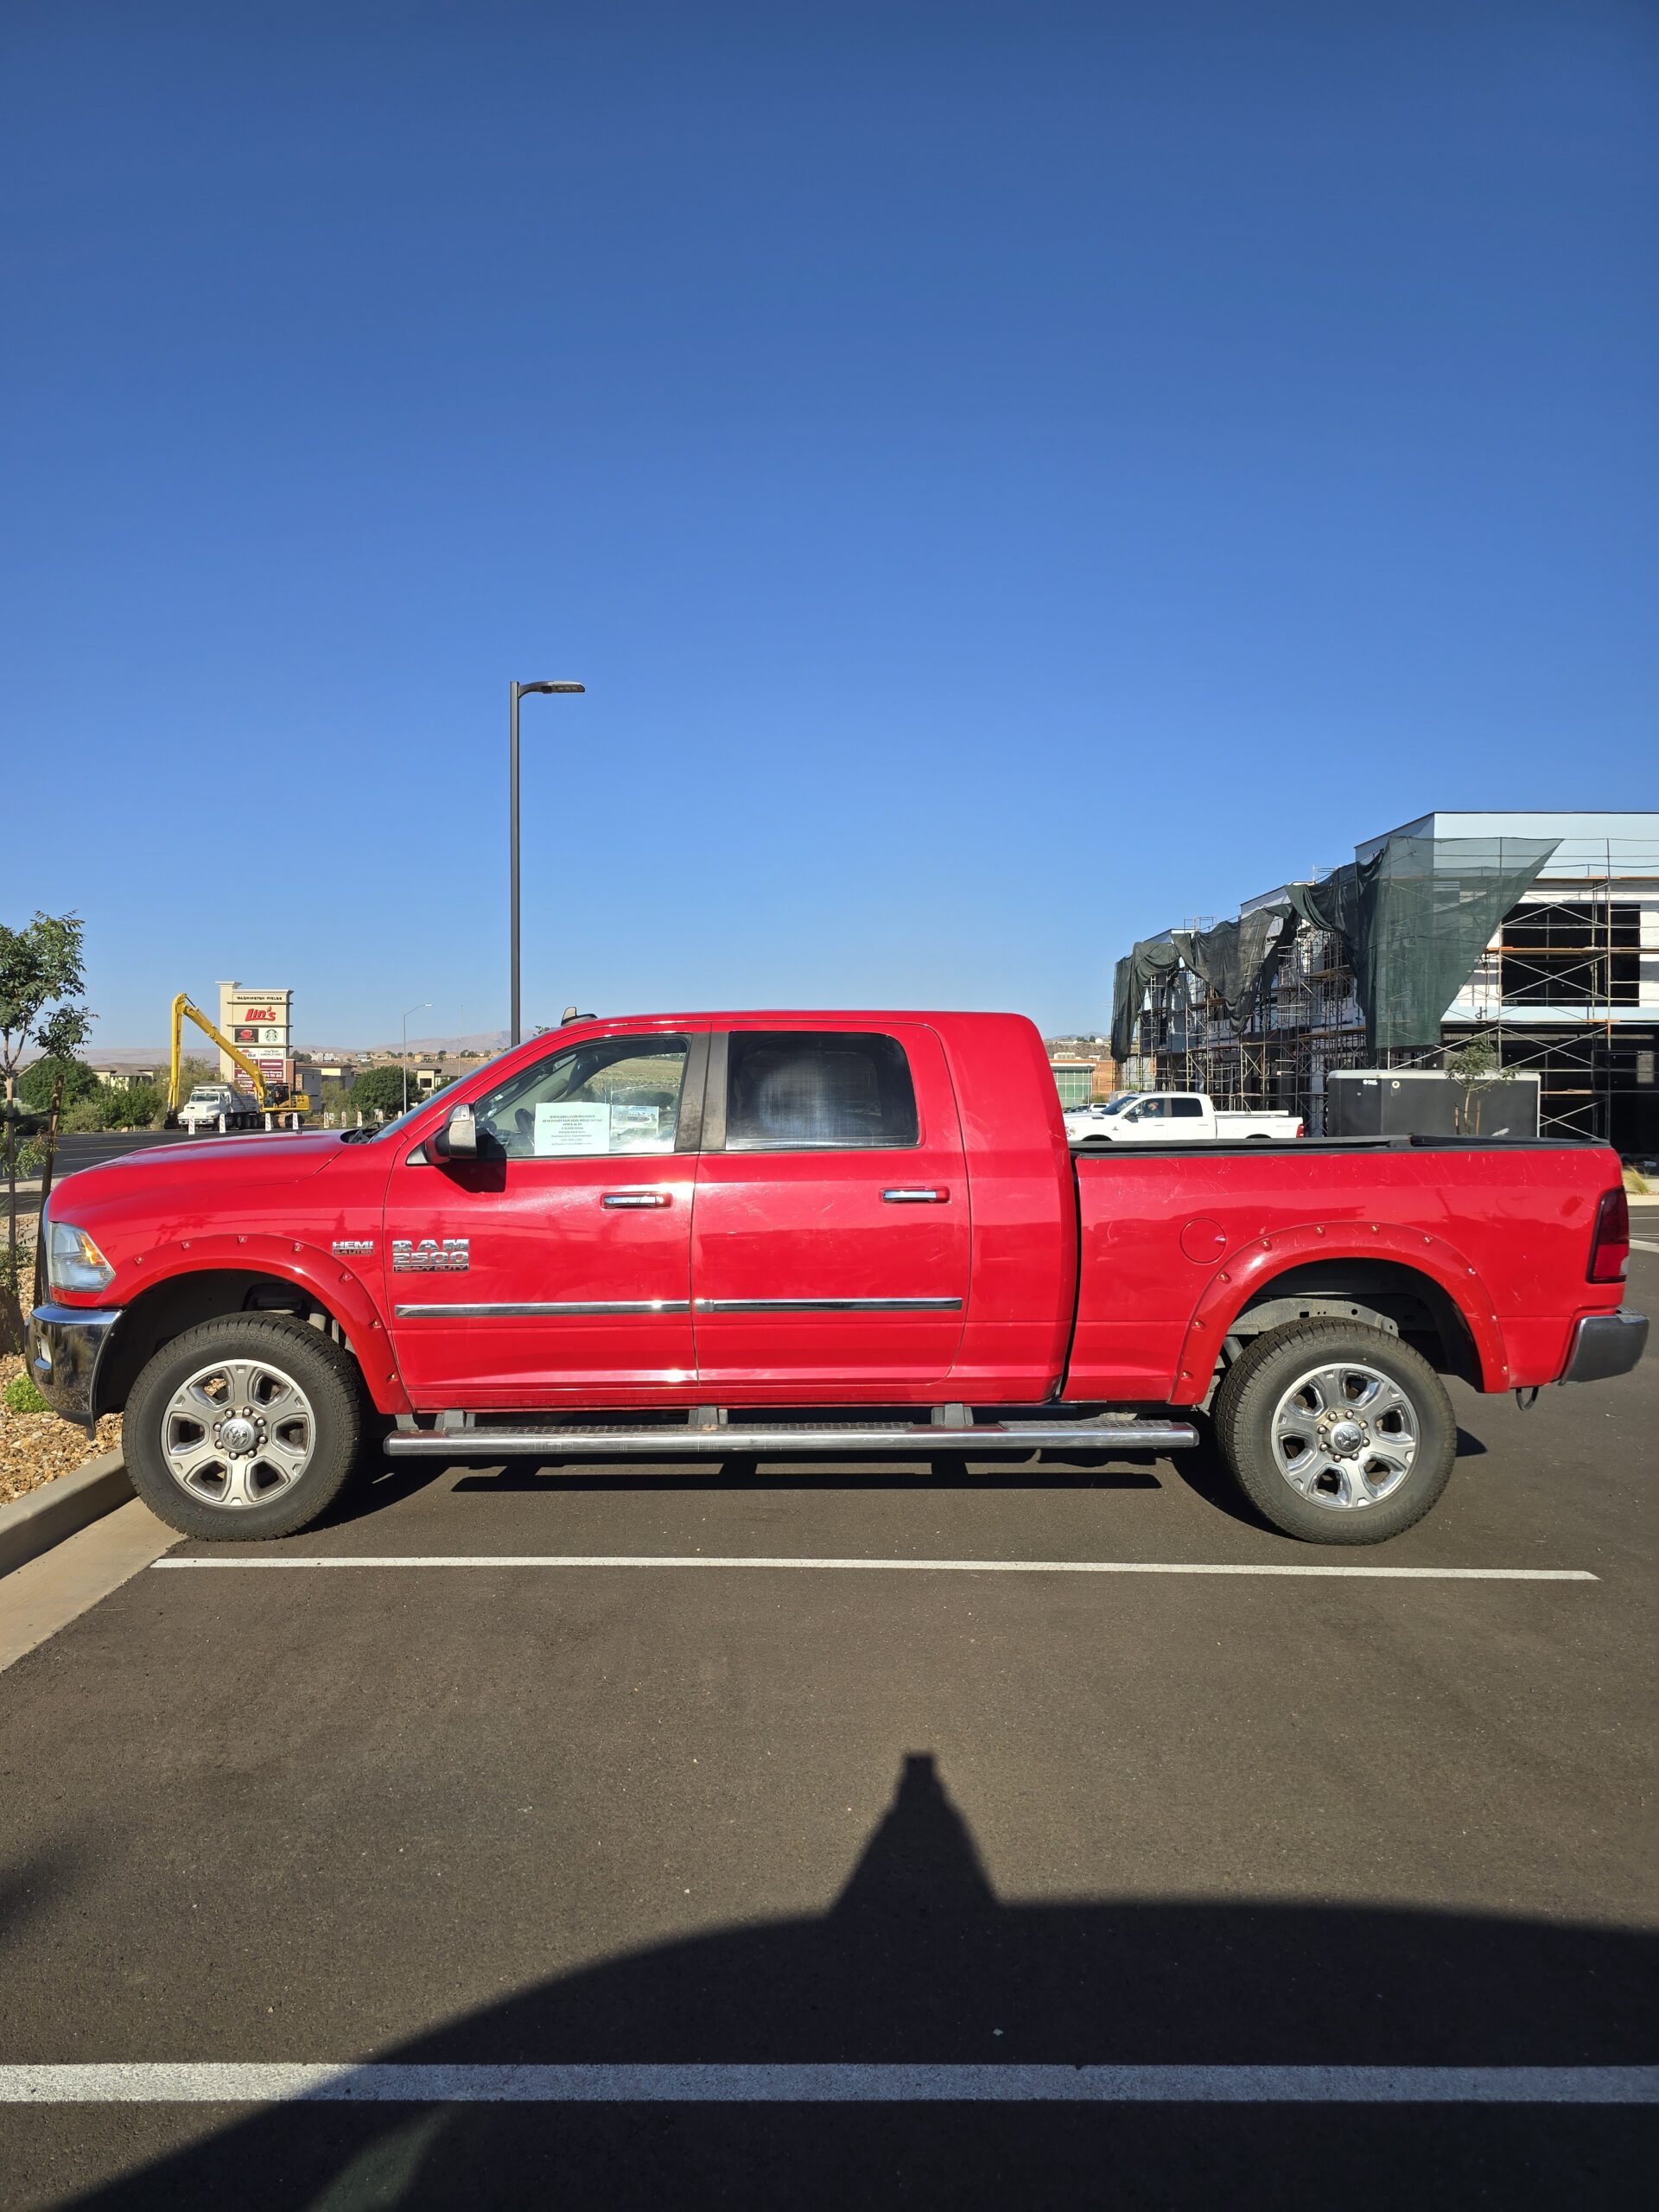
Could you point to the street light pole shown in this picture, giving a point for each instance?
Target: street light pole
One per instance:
(421, 1008)
(517, 692)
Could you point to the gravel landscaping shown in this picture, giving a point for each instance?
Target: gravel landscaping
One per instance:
(35, 1447)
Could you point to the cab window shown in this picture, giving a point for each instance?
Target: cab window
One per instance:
(611, 1095)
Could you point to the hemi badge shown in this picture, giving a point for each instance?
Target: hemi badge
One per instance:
(351, 1248)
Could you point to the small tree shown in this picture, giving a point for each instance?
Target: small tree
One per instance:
(193, 1071)
(41, 974)
(1477, 1062)
(1475, 1067)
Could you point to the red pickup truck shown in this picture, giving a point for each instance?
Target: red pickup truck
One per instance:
(767, 1232)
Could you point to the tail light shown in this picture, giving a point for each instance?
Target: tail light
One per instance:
(1302, 1128)
(1610, 1248)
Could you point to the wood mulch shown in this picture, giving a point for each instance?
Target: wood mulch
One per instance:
(34, 1448)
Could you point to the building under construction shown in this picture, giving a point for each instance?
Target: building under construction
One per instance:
(1535, 936)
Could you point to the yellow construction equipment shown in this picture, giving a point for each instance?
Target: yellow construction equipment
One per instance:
(272, 1097)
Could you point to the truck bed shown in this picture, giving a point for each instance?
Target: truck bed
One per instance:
(1491, 1238)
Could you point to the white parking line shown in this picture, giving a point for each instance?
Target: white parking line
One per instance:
(903, 1566)
(162, 2082)
(1643, 1244)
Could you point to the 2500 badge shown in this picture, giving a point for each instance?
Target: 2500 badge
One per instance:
(430, 1257)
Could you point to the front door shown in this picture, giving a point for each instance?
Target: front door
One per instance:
(557, 1264)
(830, 1235)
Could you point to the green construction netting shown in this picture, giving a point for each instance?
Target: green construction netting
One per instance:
(1234, 958)
(1153, 956)
(1415, 919)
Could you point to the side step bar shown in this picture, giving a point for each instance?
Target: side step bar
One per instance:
(673, 1442)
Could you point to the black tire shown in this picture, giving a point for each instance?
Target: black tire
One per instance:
(317, 1452)
(1338, 1509)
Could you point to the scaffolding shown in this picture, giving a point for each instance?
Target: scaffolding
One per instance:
(1559, 991)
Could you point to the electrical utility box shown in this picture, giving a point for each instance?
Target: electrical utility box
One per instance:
(1390, 1103)
(1507, 1107)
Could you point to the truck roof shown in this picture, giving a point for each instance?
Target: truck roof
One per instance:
(936, 1017)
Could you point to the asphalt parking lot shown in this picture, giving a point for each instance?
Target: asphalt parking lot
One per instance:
(1008, 1832)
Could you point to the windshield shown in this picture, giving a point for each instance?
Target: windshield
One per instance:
(372, 1136)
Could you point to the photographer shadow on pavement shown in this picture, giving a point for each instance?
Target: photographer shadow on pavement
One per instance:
(918, 1961)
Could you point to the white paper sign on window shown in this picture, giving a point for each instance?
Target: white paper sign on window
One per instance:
(583, 1125)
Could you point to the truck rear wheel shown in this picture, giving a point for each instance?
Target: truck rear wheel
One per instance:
(1337, 1433)
(244, 1427)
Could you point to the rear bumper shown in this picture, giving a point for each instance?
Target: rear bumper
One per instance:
(65, 1345)
(1605, 1345)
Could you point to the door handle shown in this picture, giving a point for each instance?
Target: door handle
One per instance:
(637, 1198)
(915, 1198)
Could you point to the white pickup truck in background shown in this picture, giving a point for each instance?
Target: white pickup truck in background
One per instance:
(1174, 1117)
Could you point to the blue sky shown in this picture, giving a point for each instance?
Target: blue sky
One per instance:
(1011, 477)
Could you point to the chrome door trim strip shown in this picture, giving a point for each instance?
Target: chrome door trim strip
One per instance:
(827, 1305)
(558, 1308)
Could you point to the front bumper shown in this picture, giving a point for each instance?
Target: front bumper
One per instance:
(1605, 1345)
(65, 1345)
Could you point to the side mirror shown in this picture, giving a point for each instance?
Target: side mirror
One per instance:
(458, 1138)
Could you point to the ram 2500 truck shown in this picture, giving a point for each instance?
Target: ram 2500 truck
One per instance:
(764, 1232)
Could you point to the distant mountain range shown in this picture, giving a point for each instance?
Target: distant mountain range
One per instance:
(199, 1047)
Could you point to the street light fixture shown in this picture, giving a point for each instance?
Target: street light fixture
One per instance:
(423, 1007)
(517, 693)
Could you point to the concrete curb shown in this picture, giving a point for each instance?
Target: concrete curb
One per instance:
(32, 1524)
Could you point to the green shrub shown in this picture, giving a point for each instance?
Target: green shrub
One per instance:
(381, 1092)
(87, 1113)
(22, 1397)
(135, 1108)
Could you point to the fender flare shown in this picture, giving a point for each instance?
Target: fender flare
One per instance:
(1254, 1265)
(336, 1288)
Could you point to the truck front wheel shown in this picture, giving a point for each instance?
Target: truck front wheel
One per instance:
(244, 1427)
(1337, 1433)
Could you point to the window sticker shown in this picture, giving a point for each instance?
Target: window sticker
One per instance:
(566, 1126)
(635, 1129)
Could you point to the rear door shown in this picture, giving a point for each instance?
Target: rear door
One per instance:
(831, 1236)
(556, 1266)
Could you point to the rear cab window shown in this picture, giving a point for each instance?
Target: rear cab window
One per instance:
(824, 1090)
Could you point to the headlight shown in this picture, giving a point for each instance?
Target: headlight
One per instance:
(73, 1262)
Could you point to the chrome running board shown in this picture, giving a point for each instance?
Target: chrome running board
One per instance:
(667, 1440)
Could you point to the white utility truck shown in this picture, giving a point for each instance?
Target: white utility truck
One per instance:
(1175, 1117)
(211, 1105)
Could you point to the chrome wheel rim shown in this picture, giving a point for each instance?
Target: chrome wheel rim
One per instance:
(238, 1433)
(1345, 1436)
